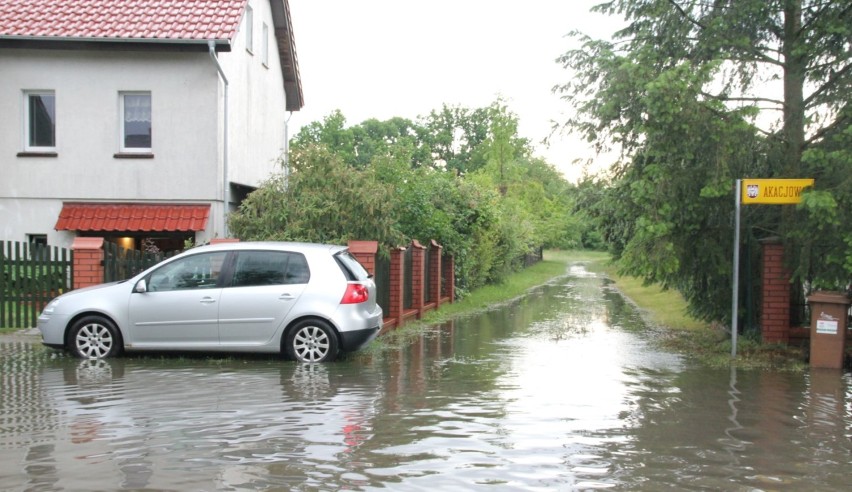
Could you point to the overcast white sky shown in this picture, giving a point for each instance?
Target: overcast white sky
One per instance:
(386, 58)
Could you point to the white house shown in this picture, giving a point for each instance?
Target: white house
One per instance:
(133, 120)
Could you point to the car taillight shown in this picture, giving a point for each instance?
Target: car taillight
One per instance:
(355, 294)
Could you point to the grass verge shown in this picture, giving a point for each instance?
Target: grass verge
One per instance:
(555, 264)
(666, 312)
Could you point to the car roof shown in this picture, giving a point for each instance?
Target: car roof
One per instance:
(272, 246)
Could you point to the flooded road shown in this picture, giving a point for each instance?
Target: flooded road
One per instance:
(561, 390)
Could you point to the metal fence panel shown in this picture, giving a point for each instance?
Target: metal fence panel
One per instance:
(427, 275)
(407, 283)
(382, 279)
(122, 264)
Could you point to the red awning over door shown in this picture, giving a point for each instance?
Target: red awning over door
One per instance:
(132, 217)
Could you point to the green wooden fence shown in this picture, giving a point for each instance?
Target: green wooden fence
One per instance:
(32, 275)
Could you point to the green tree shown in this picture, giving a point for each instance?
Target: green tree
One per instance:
(331, 133)
(825, 237)
(453, 139)
(686, 91)
(374, 138)
(321, 200)
(537, 203)
(551, 200)
(462, 177)
(462, 216)
(456, 135)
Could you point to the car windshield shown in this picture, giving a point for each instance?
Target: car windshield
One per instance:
(350, 266)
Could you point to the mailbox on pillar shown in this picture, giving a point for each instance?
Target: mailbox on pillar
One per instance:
(829, 314)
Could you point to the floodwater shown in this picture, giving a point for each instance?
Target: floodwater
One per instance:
(560, 390)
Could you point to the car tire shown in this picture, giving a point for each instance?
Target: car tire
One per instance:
(94, 337)
(312, 340)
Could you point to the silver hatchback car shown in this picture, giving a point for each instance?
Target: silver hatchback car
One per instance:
(309, 301)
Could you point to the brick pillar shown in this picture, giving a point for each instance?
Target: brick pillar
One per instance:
(435, 254)
(365, 253)
(397, 277)
(88, 261)
(448, 275)
(418, 277)
(775, 307)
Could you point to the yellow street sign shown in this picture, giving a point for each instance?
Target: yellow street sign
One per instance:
(773, 191)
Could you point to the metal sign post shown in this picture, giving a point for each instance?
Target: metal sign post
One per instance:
(758, 192)
(735, 297)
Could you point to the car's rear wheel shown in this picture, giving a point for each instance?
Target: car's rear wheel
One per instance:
(94, 337)
(312, 341)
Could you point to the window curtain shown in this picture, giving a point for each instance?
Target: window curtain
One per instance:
(137, 108)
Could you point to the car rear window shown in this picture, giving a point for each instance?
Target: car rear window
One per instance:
(255, 268)
(350, 266)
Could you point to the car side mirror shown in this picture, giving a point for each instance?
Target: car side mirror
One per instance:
(141, 287)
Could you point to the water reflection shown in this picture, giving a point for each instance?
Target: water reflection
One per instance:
(560, 389)
(731, 442)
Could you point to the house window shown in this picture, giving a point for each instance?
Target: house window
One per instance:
(265, 45)
(37, 239)
(40, 121)
(249, 29)
(38, 246)
(135, 110)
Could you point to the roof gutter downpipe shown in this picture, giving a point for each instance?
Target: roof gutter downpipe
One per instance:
(226, 188)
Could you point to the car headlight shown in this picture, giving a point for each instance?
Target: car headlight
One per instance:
(48, 310)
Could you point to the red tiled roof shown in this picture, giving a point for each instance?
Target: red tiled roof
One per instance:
(169, 20)
(132, 217)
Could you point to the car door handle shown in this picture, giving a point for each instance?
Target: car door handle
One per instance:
(207, 300)
(286, 296)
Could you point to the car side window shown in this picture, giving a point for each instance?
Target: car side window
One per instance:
(254, 268)
(199, 271)
(297, 270)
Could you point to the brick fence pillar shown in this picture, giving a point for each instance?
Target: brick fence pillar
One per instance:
(775, 305)
(88, 261)
(365, 253)
(418, 276)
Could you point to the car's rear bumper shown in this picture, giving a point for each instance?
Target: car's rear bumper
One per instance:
(351, 341)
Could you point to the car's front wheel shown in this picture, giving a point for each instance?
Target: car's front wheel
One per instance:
(312, 341)
(94, 337)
